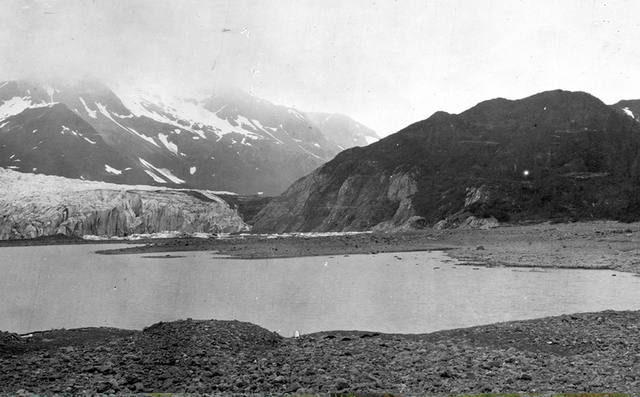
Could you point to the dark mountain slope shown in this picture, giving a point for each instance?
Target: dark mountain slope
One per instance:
(53, 140)
(554, 154)
(228, 140)
(630, 108)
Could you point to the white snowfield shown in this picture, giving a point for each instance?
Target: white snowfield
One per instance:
(173, 108)
(22, 186)
(17, 105)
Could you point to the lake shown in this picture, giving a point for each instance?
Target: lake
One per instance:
(70, 286)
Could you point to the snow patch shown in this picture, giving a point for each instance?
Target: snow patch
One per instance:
(104, 111)
(50, 91)
(370, 140)
(171, 109)
(162, 171)
(192, 170)
(89, 140)
(14, 106)
(155, 177)
(273, 129)
(296, 113)
(169, 145)
(301, 147)
(243, 121)
(91, 113)
(146, 138)
(112, 170)
(628, 112)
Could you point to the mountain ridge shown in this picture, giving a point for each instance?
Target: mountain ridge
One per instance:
(550, 155)
(228, 140)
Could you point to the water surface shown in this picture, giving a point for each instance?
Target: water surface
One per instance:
(70, 286)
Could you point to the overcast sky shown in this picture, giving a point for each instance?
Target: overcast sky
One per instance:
(385, 63)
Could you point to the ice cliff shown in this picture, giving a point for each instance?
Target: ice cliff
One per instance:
(37, 205)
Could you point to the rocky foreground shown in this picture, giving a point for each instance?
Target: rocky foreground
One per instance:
(591, 352)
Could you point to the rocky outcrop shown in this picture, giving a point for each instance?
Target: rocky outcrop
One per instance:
(37, 205)
(465, 218)
(326, 201)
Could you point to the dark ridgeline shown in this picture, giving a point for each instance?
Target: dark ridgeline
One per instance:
(629, 107)
(556, 155)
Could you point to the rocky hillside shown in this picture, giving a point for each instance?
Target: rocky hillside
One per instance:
(554, 155)
(39, 205)
(227, 140)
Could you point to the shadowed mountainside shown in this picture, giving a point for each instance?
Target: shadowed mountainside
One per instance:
(553, 155)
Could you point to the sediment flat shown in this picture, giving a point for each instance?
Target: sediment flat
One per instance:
(588, 245)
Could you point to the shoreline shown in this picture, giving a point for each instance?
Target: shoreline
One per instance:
(585, 245)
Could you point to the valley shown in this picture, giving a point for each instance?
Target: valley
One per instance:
(319, 199)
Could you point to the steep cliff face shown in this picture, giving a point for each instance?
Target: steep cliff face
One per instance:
(324, 201)
(38, 205)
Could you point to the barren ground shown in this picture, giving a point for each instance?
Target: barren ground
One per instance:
(589, 352)
(601, 244)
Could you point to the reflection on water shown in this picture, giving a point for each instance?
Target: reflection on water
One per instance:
(69, 286)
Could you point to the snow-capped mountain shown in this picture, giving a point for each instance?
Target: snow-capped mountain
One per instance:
(343, 130)
(226, 141)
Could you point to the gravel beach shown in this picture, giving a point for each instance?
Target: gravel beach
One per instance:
(587, 352)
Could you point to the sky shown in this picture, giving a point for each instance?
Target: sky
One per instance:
(386, 63)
